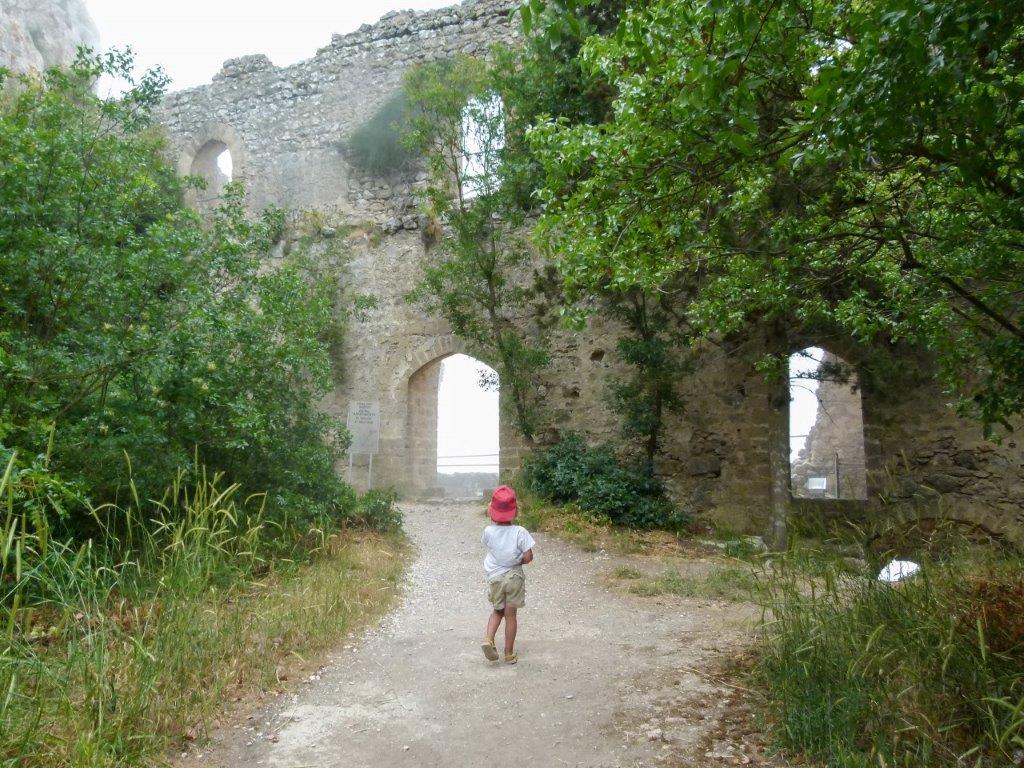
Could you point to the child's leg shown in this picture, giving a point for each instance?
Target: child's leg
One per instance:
(492, 624)
(511, 625)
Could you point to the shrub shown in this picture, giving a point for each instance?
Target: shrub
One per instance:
(929, 673)
(176, 346)
(113, 650)
(593, 478)
(376, 510)
(375, 146)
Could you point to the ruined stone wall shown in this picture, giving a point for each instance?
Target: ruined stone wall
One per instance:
(287, 130)
(287, 127)
(923, 460)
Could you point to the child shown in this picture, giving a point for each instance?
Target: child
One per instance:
(509, 548)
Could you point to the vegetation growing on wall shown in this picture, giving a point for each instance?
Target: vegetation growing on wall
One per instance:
(476, 281)
(376, 146)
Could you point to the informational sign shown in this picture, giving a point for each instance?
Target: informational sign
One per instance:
(364, 424)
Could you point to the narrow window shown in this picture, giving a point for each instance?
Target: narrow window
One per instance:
(213, 163)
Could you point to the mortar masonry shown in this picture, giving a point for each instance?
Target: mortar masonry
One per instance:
(286, 129)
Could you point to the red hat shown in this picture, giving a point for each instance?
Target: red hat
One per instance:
(503, 505)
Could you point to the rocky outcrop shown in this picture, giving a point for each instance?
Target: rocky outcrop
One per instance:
(37, 34)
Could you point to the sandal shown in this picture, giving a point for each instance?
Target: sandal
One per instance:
(511, 658)
(489, 650)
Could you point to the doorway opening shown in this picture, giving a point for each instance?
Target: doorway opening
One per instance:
(467, 427)
(826, 427)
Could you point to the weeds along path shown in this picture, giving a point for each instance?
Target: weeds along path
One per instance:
(603, 680)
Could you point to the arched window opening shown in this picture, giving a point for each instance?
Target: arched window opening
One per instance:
(483, 138)
(826, 427)
(214, 163)
(467, 427)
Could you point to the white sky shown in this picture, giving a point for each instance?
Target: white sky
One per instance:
(192, 38)
(467, 418)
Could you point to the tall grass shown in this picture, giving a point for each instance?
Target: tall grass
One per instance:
(928, 673)
(115, 648)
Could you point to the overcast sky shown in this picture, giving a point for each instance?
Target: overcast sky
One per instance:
(467, 418)
(190, 39)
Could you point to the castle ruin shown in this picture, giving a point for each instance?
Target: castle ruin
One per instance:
(725, 457)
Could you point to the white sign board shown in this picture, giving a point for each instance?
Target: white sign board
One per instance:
(817, 483)
(364, 424)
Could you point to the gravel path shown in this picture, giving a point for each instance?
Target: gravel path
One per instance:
(604, 680)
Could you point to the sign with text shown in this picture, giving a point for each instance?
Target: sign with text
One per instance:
(364, 424)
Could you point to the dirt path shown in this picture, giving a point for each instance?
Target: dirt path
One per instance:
(602, 680)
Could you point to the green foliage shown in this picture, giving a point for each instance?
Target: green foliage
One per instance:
(860, 673)
(128, 327)
(571, 472)
(731, 583)
(376, 146)
(543, 77)
(477, 281)
(376, 511)
(788, 170)
(655, 350)
(93, 665)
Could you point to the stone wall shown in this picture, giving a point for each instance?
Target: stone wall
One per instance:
(287, 129)
(37, 34)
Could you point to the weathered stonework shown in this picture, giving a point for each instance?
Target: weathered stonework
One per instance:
(37, 34)
(725, 457)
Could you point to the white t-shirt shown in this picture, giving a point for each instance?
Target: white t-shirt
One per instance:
(506, 545)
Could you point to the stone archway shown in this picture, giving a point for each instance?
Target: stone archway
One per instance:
(421, 376)
(199, 158)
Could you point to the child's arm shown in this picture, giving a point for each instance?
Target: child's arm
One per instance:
(527, 556)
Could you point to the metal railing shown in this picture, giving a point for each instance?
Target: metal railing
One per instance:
(469, 464)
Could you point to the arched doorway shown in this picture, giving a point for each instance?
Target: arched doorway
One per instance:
(453, 428)
(826, 427)
(467, 427)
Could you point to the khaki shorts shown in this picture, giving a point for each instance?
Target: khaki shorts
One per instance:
(507, 591)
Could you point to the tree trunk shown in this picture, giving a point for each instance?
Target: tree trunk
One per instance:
(778, 464)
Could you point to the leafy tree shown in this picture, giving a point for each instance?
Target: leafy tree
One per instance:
(809, 168)
(544, 76)
(477, 281)
(131, 329)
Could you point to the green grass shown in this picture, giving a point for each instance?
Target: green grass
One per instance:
(729, 583)
(113, 650)
(592, 533)
(625, 572)
(931, 673)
